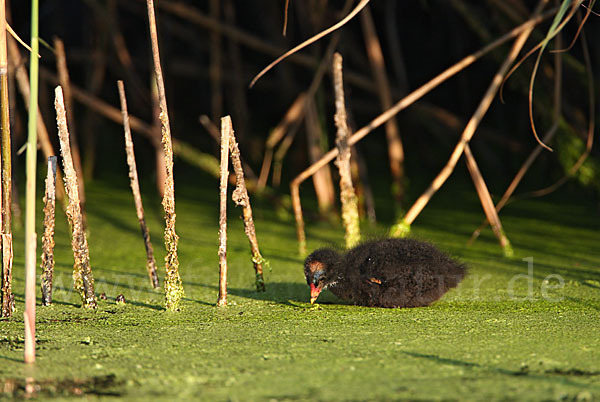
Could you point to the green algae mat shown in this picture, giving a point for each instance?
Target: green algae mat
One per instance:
(525, 328)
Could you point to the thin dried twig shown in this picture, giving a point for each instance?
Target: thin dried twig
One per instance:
(48, 236)
(135, 188)
(487, 203)
(347, 195)
(285, 17)
(83, 279)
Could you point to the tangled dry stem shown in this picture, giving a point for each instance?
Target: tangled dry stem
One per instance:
(83, 280)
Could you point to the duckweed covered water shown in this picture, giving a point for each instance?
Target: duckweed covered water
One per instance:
(514, 329)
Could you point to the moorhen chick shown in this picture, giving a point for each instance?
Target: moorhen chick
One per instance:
(384, 273)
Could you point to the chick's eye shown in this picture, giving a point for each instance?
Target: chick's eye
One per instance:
(318, 277)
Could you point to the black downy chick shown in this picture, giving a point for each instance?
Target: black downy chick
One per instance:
(384, 273)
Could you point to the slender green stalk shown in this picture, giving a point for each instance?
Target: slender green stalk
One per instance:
(30, 236)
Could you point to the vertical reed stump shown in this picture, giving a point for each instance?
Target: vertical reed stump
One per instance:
(135, 189)
(48, 236)
(347, 195)
(173, 286)
(224, 171)
(83, 280)
(241, 198)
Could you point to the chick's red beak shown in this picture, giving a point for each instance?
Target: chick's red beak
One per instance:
(314, 292)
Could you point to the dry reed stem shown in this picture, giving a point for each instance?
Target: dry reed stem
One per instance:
(135, 189)
(348, 197)
(401, 105)
(6, 186)
(83, 279)
(241, 198)
(486, 101)
(224, 172)
(48, 236)
(65, 83)
(392, 132)
(173, 285)
(22, 77)
(487, 203)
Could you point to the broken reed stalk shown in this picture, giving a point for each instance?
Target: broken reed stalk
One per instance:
(83, 280)
(241, 198)
(65, 83)
(173, 286)
(48, 236)
(135, 189)
(224, 169)
(403, 227)
(487, 203)
(6, 187)
(347, 195)
(392, 131)
(398, 107)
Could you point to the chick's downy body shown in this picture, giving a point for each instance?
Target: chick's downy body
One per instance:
(384, 273)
